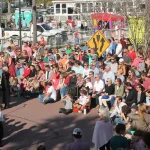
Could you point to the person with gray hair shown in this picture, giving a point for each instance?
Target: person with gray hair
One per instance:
(108, 74)
(109, 91)
(103, 130)
(98, 89)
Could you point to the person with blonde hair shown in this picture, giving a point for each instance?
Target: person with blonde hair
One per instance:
(103, 130)
(5, 87)
(141, 121)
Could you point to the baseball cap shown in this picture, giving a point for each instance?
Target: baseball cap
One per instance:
(77, 131)
(121, 60)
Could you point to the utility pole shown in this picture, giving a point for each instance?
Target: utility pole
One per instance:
(20, 36)
(147, 28)
(34, 21)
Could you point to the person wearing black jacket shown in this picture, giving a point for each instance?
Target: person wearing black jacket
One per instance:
(5, 87)
(131, 97)
(141, 96)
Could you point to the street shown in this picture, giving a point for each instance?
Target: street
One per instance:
(29, 123)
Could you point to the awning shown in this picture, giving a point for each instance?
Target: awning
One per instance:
(107, 17)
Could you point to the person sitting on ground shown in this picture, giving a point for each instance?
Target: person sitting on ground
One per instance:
(49, 96)
(131, 97)
(82, 100)
(142, 120)
(119, 141)
(68, 104)
(109, 90)
(116, 114)
(15, 88)
(77, 143)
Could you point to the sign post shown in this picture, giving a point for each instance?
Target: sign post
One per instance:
(99, 43)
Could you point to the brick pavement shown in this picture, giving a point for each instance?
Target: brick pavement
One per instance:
(29, 123)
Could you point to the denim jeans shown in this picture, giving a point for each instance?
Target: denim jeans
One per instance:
(47, 100)
(112, 100)
(63, 91)
(118, 120)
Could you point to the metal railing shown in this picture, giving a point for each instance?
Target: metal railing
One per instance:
(60, 39)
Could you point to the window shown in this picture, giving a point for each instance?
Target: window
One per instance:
(39, 28)
(57, 8)
(90, 7)
(84, 7)
(63, 8)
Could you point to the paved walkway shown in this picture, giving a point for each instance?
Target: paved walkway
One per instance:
(29, 123)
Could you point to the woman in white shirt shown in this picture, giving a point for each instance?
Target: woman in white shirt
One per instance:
(82, 100)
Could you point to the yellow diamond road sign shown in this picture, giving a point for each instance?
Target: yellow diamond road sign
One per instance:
(99, 42)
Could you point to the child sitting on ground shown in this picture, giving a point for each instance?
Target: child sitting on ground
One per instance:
(68, 104)
(82, 100)
(15, 88)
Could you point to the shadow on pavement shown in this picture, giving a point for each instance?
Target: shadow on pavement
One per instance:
(54, 133)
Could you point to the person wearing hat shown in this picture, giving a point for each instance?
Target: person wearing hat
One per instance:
(94, 69)
(94, 61)
(122, 67)
(78, 143)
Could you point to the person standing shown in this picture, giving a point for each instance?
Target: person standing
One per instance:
(103, 130)
(78, 143)
(5, 87)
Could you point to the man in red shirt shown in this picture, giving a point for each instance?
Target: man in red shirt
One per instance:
(146, 81)
(122, 41)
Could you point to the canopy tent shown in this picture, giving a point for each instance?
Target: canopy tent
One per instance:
(108, 18)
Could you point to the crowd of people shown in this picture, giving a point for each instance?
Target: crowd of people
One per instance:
(117, 84)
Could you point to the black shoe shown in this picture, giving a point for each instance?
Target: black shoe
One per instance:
(6, 107)
(1, 144)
